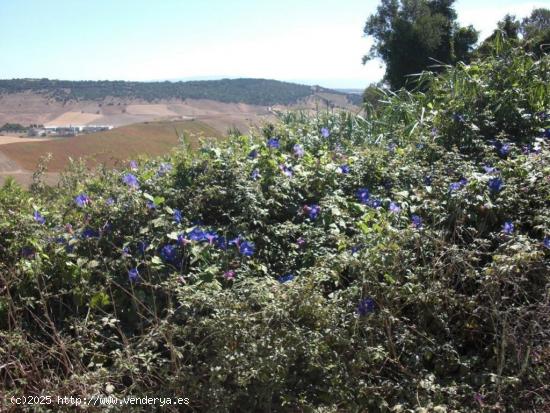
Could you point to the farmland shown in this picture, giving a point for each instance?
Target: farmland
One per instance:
(326, 263)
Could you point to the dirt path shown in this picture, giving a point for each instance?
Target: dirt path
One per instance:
(5, 139)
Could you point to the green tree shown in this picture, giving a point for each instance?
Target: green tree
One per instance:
(412, 35)
(535, 30)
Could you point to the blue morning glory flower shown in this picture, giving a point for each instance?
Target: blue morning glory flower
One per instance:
(39, 218)
(416, 221)
(343, 169)
(366, 306)
(169, 253)
(211, 236)
(255, 174)
(236, 241)
(457, 117)
(313, 211)
(197, 234)
(495, 185)
(253, 154)
(298, 150)
(273, 143)
(394, 208)
(489, 169)
(285, 278)
(27, 252)
(221, 243)
(133, 274)
(150, 205)
(89, 233)
(455, 186)
(164, 168)
(130, 180)
(177, 216)
(247, 248)
(508, 227)
(362, 195)
(325, 133)
(142, 247)
(286, 170)
(546, 242)
(126, 252)
(82, 200)
(374, 203)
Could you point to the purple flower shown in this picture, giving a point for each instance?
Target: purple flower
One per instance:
(362, 195)
(27, 252)
(133, 274)
(130, 180)
(253, 154)
(82, 200)
(169, 253)
(366, 306)
(109, 201)
(255, 174)
(344, 169)
(502, 149)
(211, 236)
(495, 185)
(395, 208)
(546, 242)
(273, 143)
(286, 170)
(177, 216)
(142, 247)
(428, 180)
(374, 203)
(126, 252)
(490, 169)
(392, 147)
(39, 218)
(508, 227)
(457, 117)
(325, 133)
(236, 241)
(229, 275)
(298, 150)
(416, 221)
(455, 186)
(546, 133)
(164, 168)
(89, 233)
(197, 234)
(285, 278)
(151, 205)
(133, 165)
(301, 242)
(247, 248)
(183, 240)
(221, 243)
(312, 210)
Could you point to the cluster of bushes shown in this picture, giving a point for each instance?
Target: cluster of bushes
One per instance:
(252, 91)
(334, 263)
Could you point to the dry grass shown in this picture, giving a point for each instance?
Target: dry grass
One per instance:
(153, 139)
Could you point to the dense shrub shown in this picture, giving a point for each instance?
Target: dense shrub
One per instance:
(396, 263)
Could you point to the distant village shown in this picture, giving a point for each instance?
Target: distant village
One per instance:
(53, 130)
(70, 130)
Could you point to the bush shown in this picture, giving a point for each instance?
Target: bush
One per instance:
(396, 263)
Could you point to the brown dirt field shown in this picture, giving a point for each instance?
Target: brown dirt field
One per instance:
(74, 118)
(4, 139)
(153, 139)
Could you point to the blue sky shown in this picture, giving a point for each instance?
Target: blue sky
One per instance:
(316, 42)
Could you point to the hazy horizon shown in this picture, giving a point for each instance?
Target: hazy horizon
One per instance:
(312, 43)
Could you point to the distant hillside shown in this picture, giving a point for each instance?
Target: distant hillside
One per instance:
(251, 91)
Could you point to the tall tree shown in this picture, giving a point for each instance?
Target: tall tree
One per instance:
(411, 35)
